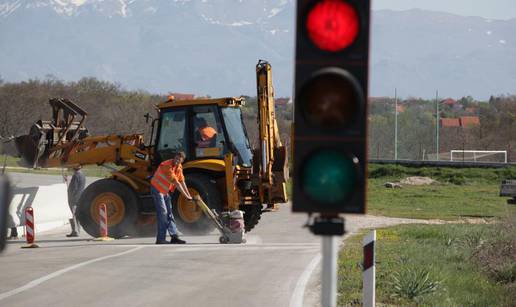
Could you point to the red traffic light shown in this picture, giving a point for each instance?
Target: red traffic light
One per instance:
(332, 25)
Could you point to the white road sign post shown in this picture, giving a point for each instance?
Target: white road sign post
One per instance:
(369, 270)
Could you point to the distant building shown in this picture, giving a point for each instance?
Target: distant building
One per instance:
(463, 121)
(449, 122)
(282, 101)
(400, 108)
(471, 110)
(469, 121)
(449, 102)
(182, 96)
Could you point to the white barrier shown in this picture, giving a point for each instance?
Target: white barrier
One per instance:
(50, 201)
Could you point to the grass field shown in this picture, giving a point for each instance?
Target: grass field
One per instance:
(458, 193)
(435, 265)
(89, 170)
(438, 201)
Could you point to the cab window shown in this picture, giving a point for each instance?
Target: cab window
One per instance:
(208, 135)
(172, 137)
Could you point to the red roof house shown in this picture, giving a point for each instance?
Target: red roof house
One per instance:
(282, 101)
(400, 108)
(469, 121)
(448, 101)
(450, 122)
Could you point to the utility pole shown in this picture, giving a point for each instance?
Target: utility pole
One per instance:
(395, 124)
(437, 123)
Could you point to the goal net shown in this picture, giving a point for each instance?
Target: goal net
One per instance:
(499, 156)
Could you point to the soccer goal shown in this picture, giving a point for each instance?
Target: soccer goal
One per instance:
(499, 156)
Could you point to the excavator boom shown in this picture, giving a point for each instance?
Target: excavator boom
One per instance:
(272, 154)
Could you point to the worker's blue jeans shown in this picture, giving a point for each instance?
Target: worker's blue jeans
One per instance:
(164, 217)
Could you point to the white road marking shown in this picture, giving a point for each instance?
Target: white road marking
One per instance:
(296, 300)
(45, 278)
(230, 247)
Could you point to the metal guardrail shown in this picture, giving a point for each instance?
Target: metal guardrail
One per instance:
(456, 164)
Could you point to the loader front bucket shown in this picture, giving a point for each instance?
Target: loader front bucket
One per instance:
(46, 138)
(31, 147)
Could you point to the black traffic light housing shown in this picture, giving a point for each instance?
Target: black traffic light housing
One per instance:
(331, 86)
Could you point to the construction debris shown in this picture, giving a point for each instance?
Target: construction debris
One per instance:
(418, 181)
(393, 185)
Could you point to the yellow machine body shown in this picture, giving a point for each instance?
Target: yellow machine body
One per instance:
(228, 175)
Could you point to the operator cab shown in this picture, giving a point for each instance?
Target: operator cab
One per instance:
(203, 129)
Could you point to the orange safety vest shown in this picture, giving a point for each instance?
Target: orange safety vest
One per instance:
(207, 133)
(163, 179)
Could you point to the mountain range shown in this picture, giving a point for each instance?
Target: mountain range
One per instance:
(210, 47)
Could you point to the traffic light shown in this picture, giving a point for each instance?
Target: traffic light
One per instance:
(332, 61)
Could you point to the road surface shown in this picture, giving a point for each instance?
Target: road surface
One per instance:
(277, 267)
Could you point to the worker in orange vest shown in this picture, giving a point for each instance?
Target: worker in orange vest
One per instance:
(206, 135)
(167, 177)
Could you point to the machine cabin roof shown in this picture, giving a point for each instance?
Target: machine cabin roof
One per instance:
(221, 102)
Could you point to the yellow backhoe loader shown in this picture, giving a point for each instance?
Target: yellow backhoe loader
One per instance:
(225, 172)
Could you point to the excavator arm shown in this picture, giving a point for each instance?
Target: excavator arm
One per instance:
(272, 155)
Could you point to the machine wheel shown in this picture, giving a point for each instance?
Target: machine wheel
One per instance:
(122, 208)
(252, 215)
(189, 217)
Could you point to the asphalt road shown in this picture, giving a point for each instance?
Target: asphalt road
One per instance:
(278, 266)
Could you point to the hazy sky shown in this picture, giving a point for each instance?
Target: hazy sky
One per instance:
(495, 9)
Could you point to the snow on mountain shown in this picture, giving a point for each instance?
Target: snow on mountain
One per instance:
(211, 46)
(215, 10)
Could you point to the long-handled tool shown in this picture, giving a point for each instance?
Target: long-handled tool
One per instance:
(227, 235)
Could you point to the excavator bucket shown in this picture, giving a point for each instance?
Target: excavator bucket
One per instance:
(31, 147)
(48, 138)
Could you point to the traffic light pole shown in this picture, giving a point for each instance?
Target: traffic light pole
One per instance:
(329, 271)
(329, 227)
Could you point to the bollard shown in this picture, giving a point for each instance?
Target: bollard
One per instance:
(369, 281)
(29, 228)
(103, 224)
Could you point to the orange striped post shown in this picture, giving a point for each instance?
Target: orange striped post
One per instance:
(103, 224)
(29, 228)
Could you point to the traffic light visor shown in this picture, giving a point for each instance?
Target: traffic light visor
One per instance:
(332, 25)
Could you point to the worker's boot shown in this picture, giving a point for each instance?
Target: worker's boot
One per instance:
(14, 234)
(175, 240)
(74, 232)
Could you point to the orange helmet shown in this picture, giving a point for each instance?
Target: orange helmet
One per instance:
(171, 98)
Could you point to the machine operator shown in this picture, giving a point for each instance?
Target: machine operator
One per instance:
(206, 136)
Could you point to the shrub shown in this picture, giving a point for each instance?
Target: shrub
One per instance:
(413, 283)
(457, 179)
(497, 255)
(387, 171)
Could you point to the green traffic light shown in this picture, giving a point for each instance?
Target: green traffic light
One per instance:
(329, 177)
